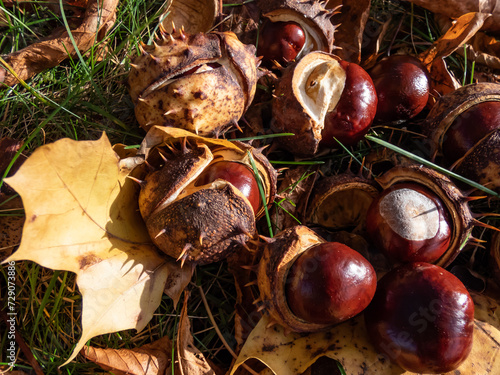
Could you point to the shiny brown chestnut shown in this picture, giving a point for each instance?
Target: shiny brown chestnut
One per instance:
(280, 41)
(422, 318)
(330, 283)
(238, 174)
(402, 86)
(409, 223)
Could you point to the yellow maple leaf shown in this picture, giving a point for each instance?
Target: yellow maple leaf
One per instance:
(82, 216)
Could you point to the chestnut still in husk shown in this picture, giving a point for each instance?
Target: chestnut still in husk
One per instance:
(402, 87)
(469, 128)
(409, 223)
(330, 283)
(280, 41)
(422, 318)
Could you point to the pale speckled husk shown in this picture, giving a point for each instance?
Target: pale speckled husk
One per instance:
(206, 103)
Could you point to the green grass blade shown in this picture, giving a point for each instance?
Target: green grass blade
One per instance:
(430, 164)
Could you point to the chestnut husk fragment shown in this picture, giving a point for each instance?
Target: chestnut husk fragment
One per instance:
(341, 201)
(462, 220)
(293, 110)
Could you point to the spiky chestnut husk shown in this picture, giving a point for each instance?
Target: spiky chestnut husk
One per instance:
(456, 204)
(341, 201)
(311, 15)
(482, 162)
(202, 83)
(189, 222)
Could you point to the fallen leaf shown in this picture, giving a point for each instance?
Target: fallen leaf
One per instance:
(191, 361)
(461, 31)
(149, 359)
(349, 34)
(348, 343)
(99, 17)
(82, 216)
(457, 8)
(464, 28)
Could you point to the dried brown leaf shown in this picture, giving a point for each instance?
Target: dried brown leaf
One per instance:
(191, 361)
(461, 31)
(99, 17)
(149, 359)
(457, 8)
(349, 35)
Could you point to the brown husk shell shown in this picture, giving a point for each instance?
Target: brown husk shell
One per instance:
(341, 201)
(195, 16)
(450, 195)
(278, 256)
(482, 163)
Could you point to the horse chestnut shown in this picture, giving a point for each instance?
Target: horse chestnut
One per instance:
(422, 318)
(238, 174)
(409, 223)
(280, 41)
(469, 128)
(402, 86)
(330, 283)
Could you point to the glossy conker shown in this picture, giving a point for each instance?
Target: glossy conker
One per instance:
(330, 283)
(402, 86)
(409, 223)
(469, 128)
(280, 41)
(238, 174)
(422, 318)
(355, 111)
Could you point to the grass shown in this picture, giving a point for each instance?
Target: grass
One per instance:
(85, 96)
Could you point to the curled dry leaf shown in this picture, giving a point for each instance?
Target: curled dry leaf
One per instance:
(457, 8)
(99, 17)
(149, 359)
(348, 343)
(82, 216)
(191, 361)
(463, 29)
